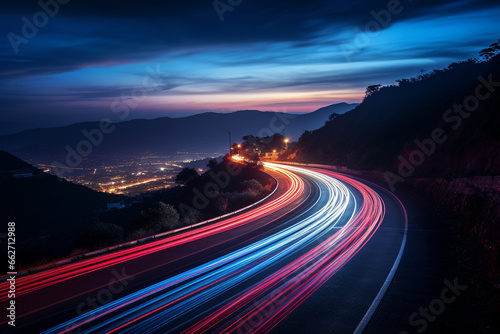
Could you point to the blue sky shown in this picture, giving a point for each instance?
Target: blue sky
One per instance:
(179, 58)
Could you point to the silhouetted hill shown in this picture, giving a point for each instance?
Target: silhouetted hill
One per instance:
(439, 134)
(48, 212)
(202, 133)
(8, 162)
(383, 130)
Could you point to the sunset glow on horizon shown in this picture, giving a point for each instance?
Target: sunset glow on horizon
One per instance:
(184, 60)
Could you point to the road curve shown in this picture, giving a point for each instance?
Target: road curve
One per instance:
(248, 273)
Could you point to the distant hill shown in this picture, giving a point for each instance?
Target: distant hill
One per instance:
(49, 213)
(384, 131)
(202, 133)
(9, 163)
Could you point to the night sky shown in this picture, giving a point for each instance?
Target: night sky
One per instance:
(185, 57)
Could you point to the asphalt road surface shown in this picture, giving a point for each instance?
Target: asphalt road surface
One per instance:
(312, 258)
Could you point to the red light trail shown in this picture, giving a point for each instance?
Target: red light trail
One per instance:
(269, 277)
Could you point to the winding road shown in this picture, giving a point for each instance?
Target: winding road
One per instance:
(315, 256)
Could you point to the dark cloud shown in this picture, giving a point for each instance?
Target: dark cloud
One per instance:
(101, 34)
(127, 31)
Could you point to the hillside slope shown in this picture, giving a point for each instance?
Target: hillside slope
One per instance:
(437, 136)
(202, 133)
(384, 130)
(48, 212)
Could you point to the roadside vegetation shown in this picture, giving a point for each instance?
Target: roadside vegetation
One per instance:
(172, 208)
(56, 218)
(392, 132)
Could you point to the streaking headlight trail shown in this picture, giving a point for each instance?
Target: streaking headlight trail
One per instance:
(55, 276)
(252, 288)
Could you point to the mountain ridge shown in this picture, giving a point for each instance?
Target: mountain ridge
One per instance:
(205, 133)
(387, 130)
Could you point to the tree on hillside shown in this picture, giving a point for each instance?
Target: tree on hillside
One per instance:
(263, 144)
(251, 140)
(222, 205)
(370, 90)
(186, 175)
(100, 235)
(253, 186)
(159, 217)
(212, 164)
(491, 51)
(274, 142)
